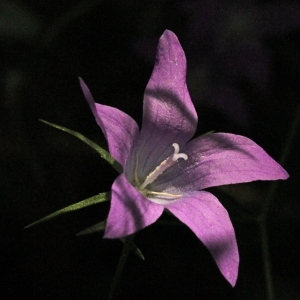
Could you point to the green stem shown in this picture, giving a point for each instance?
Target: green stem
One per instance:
(123, 258)
(266, 260)
(265, 211)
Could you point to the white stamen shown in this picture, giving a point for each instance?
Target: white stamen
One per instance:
(162, 194)
(167, 163)
(177, 155)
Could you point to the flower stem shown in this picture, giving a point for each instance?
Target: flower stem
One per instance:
(266, 260)
(123, 258)
(264, 214)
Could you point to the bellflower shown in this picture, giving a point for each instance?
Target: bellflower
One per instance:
(164, 168)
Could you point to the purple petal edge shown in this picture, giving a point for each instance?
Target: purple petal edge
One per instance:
(119, 129)
(219, 159)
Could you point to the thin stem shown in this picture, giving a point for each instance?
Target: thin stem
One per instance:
(266, 260)
(265, 211)
(123, 258)
(286, 150)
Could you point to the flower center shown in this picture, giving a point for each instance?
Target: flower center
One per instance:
(167, 163)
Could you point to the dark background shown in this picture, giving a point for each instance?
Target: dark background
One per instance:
(244, 78)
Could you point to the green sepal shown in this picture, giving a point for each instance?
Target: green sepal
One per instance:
(79, 205)
(208, 132)
(100, 227)
(92, 229)
(135, 249)
(103, 153)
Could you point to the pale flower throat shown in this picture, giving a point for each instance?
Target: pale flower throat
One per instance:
(167, 163)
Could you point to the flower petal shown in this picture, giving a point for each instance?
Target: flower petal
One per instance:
(209, 220)
(130, 211)
(169, 115)
(218, 159)
(120, 130)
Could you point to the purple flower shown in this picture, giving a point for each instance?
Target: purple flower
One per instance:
(165, 169)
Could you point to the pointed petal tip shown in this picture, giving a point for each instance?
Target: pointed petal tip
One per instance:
(83, 85)
(279, 173)
(87, 94)
(81, 82)
(232, 278)
(285, 174)
(170, 36)
(169, 33)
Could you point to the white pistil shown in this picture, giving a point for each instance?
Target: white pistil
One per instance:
(178, 155)
(167, 163)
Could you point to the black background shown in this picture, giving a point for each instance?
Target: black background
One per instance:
(45, 46)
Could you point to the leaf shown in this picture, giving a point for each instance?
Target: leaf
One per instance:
(103, 153)
(92, 229)
(79, 205)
